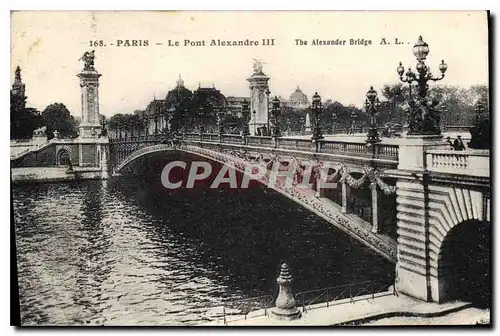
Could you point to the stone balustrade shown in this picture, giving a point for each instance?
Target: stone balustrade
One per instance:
(469, 162)
(232, 139)
(259, 141)
(191, 136)
(377, 151)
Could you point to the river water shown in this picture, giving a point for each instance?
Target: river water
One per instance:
(125, 252)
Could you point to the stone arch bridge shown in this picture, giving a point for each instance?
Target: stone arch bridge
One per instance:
(439, 195)
(348, 172)
(428, 208)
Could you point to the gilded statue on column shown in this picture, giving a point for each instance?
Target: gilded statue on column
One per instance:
(88, 60)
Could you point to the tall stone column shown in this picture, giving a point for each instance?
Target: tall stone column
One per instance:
(414, 276)
(259, 99)
(320, 192)
(344, 197)
(373, 187)
(90, 126)
(90, 142)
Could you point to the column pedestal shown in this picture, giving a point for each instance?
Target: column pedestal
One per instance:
(285, 303)
(259, 101)
(414, 275)
(90, 127)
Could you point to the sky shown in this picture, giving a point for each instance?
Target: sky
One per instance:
(48, 45)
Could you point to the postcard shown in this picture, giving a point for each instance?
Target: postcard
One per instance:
(250, 168)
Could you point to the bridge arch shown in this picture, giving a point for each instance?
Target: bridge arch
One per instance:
(458, 231)
(463, 266)
(200, 152)
(308, 198)
(63, 157)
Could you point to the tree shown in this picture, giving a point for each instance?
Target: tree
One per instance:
(23, 120)
(394, 106)
(343, 116)
(57, 117)
(455, 103)
(458, 104)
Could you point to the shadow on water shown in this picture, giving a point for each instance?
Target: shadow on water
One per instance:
(129, 251)
(246, 233)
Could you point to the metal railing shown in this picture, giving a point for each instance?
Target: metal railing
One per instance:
(336, 295)
(305, 300)
(243, 307)
(379, 150)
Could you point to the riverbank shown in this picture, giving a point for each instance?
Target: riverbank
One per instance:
(362, 311)
(54, 174)
(469, 316)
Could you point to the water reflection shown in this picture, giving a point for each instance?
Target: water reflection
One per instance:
(126, 252)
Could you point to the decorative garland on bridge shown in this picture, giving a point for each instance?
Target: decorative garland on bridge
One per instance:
(341, 174)
(241, 161)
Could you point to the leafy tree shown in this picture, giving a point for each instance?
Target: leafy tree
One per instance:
(342, 115)
(57, 117)
(23, 120)
(455, 103)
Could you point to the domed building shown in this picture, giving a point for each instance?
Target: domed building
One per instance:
(161, 113)
(206, 103)
(298, 99)
(177, 97)
(294, 111)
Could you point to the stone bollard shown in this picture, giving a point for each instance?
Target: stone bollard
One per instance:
(285, 303)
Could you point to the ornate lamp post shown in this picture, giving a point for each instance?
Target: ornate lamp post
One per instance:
(127, 130)
(302, 120)
(275, 114)
(479, 109)
(424, 117)
(245, 111)
(268, 129)
(220, 116)
(354, 117)
(156, 124)
(334, 121)
(316, 109)
(480, 132)
(185, 116)
(390, 124)
(201, 114)
(372, 106)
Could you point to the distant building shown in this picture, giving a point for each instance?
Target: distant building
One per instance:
(18, 88)
(298, 99)
(209, 97)
(234, 105)
(178, 97)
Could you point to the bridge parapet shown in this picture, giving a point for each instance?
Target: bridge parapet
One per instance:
(353, 153)
(377, 151)
(470, 162)
(232, 139)
(260, 141)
